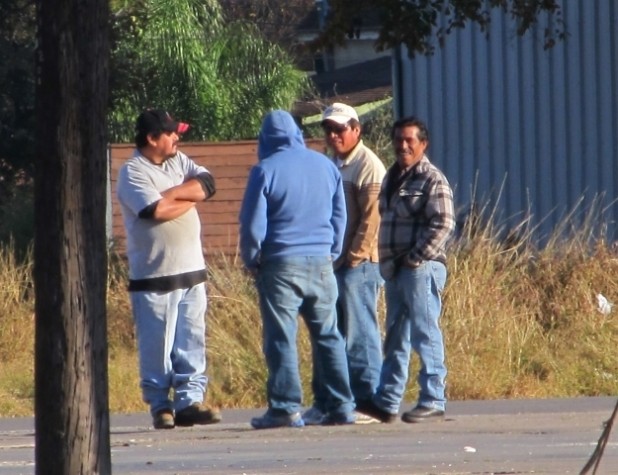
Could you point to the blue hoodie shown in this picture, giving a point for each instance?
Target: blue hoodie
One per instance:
(294, 202)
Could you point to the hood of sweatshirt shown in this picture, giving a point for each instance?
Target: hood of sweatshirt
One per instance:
(278, 132)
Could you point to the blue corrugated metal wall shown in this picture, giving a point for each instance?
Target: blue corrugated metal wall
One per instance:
(531, 129)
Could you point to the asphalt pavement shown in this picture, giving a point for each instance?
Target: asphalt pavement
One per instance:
(549, 436)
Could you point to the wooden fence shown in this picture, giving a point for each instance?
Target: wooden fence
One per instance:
(230, 163)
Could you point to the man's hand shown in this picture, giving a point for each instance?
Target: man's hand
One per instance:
(179, 199)
(412, 263)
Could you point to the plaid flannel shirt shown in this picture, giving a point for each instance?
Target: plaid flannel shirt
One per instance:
(418, 217)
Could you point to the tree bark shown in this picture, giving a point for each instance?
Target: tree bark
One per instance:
(70, 252)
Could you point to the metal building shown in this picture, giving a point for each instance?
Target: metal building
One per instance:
(520, 129)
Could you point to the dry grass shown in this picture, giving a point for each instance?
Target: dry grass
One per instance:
(518, 323)
(237, 370)
(16, 335)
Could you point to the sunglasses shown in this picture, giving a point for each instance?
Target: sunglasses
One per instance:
(335, 128)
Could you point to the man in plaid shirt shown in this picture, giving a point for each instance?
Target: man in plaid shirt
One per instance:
(416, 206)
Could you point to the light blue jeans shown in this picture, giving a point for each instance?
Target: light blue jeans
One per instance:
(413, 307)
(288, 286)
(171, 343)
(357, 320)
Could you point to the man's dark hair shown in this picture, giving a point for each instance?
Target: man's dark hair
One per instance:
(354, 124)
(141, 138)
(411, 121)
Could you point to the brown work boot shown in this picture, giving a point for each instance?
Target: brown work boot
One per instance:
(195, 414)
(164, 419)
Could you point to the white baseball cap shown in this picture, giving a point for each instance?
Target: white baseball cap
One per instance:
(340, 113)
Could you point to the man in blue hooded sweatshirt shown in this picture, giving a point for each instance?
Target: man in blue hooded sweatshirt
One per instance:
(292, 224)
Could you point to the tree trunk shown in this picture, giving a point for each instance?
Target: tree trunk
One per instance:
(70, 252)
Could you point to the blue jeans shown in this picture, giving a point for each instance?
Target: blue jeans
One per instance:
(171, 344)
(413, 307)
(357, 320)
(288, 286)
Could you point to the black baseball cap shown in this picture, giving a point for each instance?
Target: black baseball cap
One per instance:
(155, 121)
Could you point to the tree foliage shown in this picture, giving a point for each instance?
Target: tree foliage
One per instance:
(188, 56)
(17, 43)
(417, 23)
(183, 56)
(276, 20)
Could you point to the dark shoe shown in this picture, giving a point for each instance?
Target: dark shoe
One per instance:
(164, 419)
(338, 419)
(423, 414)
(194, 414)
(363, 403)
(370, 408)
(272, 421)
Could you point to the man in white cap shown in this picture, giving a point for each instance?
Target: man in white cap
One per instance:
(357, 269)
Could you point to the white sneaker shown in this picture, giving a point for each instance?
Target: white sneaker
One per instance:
(313, 416)
(365, 419)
